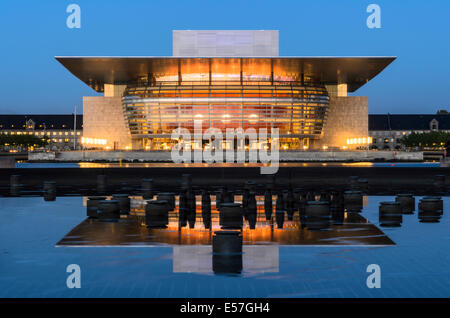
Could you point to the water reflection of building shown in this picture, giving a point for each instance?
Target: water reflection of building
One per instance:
(199, 259)
(145, 98)
(345, 228)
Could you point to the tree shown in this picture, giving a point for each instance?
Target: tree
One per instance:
(429, 139)
(442, 112)
(23, 141)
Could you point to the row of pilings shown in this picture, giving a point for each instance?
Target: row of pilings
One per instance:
(316, 211)
(51, 189)
(92, 181)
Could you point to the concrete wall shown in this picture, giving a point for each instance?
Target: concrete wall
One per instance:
(350, 156)
(114, 90)
(285, 156)
(41, 156)
(113, 156)
(7, 162)
(347, 117)
(103, 118)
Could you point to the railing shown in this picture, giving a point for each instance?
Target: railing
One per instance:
(216, 82)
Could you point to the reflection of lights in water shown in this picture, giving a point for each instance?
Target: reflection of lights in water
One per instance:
(265, 231)
(236, 165)
(132, 231)
(358, 164)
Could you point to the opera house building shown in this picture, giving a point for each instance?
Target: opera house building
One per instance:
(226, 79)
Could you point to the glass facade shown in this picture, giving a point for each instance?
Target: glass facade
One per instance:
(154, 110)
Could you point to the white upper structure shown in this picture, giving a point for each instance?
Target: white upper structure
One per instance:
(226, 43)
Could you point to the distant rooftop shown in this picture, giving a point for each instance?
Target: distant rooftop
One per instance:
(376, 122)
(42, 122)
(407, 122)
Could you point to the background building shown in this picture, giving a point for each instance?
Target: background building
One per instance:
(226, 79)
(58, 128)
(387, 130)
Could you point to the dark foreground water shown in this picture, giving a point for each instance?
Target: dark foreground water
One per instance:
(38, 240)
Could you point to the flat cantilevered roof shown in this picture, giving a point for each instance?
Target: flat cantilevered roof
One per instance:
(353, 71)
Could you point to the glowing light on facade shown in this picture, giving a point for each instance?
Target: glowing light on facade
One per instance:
(359, 141)
(93, 141)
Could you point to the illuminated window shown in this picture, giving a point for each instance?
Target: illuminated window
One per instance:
(93, 141)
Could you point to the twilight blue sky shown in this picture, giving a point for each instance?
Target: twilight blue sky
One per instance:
(33, 32)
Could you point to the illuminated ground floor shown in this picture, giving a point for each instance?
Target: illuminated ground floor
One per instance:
(108, 126)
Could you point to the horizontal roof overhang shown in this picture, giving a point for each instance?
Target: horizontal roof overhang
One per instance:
(353, 71)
